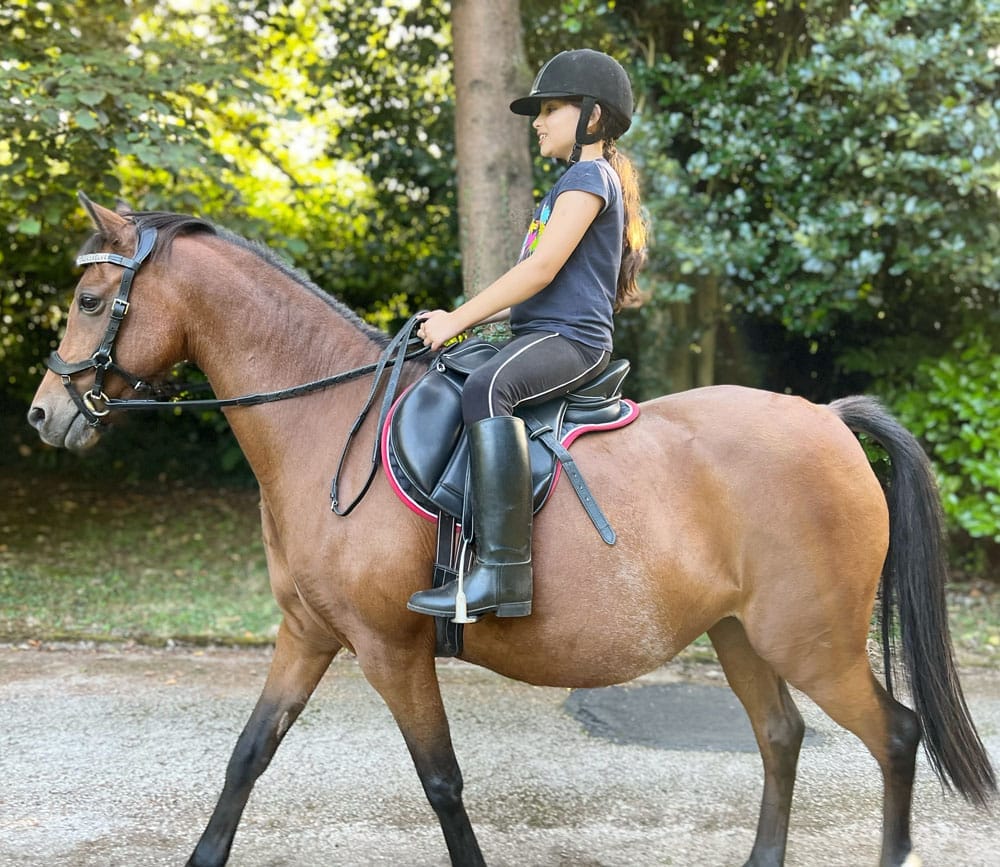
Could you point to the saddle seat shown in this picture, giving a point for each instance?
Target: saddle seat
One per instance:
(425, 453)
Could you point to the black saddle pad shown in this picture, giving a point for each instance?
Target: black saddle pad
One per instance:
(425, 451)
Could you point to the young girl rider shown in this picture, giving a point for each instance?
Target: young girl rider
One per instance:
(577, 266)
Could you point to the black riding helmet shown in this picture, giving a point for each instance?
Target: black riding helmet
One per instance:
(588, 75)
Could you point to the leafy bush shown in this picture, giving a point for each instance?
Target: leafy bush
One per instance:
(952, 406)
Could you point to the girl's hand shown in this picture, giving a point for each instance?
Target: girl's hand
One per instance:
(437, 328)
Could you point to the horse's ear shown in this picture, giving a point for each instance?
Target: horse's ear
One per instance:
(107, 222)
(124, 208)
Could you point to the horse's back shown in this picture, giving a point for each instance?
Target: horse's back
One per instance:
(784, 471)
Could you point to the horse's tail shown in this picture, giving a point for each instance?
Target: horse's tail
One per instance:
(913, 584)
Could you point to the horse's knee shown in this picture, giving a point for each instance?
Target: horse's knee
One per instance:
(444, 792)
(257, 744)
(251, 754)
(786, 730)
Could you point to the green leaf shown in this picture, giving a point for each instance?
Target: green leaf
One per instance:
(91, 97)
(86, 120)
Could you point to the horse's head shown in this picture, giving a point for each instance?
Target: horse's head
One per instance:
(112, 345)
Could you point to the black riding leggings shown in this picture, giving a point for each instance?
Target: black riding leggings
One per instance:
(532, 368)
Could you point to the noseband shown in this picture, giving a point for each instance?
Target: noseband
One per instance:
(102, 360)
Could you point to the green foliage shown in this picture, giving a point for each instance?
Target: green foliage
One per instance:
(320, 128)
(551, 26)
(392, 82)
(952, 406)
(835, 168)
(82, 93)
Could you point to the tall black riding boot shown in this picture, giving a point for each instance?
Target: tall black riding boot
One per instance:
(500, 577)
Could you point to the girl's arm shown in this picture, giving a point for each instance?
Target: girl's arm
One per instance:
(571, 216)
(499, 316)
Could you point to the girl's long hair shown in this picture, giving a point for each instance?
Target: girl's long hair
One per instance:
(634, 234)
(610, 126)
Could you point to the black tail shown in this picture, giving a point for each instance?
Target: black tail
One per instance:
(913, 585)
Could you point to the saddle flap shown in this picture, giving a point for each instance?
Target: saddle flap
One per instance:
(431, 427)
(448, 494)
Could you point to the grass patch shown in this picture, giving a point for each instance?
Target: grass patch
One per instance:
(114, 561)
(974, 620)
(85, 558)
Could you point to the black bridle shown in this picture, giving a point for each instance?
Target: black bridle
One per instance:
(403, 347)
(102, 359)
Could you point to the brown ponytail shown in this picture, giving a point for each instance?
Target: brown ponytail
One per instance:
(634, 235)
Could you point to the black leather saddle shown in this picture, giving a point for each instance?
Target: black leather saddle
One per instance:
(424, 445)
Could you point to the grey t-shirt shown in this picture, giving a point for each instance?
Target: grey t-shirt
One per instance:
(579, 302)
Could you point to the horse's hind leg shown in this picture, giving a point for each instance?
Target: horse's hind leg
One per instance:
(296, 668)
(778, 728)
(852, 697)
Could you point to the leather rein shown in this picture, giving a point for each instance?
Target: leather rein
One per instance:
(94, 404)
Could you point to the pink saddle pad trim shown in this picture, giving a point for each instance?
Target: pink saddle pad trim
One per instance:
(574, 434)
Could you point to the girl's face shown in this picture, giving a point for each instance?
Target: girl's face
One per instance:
(556, 128)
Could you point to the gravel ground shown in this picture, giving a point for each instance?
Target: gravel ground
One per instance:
(114, 756)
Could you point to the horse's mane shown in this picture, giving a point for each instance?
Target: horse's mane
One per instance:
(167, 225)
(170, 226)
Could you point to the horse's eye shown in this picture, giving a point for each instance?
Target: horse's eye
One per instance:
(90, 303)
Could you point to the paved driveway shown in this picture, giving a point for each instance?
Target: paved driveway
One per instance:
(113, 757)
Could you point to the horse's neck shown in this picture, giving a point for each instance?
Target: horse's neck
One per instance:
(253, 328)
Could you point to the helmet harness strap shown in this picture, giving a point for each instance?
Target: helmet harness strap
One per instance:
(582, 136)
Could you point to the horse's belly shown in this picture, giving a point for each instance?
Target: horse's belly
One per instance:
(598, 618)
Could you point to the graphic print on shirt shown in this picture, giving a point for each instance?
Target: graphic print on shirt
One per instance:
(535, 231)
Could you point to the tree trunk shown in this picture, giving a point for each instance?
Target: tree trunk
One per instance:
(494, 162)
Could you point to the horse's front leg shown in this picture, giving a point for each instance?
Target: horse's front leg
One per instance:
(409, 686)
(295, 670)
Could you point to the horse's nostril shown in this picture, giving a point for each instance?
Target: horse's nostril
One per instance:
(36, 417)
